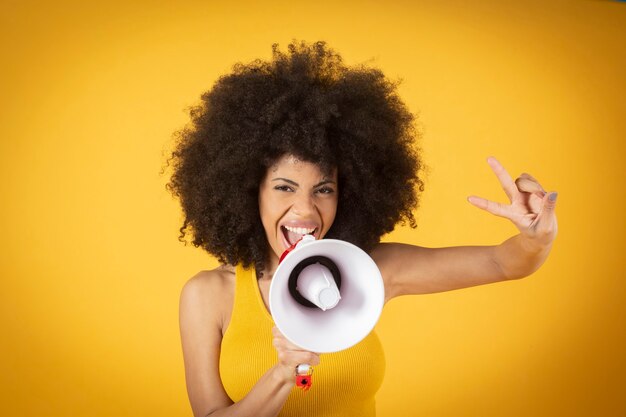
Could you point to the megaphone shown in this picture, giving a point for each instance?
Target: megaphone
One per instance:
(326, 295)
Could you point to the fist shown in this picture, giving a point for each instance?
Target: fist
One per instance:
(290, 356)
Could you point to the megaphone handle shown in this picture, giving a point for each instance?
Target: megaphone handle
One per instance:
(304, 376)
(303, 369)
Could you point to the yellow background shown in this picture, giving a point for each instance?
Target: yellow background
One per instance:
(91, 267)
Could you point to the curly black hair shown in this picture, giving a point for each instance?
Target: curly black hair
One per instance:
(309, 104)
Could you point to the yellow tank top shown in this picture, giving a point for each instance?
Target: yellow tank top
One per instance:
(344, 383)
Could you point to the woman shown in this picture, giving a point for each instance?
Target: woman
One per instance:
(305, 145)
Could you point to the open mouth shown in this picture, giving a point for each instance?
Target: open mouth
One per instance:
(293, 234)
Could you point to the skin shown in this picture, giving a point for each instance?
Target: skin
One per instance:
(298, 194)
(295, 193)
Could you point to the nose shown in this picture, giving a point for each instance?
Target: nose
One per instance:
(303, 205)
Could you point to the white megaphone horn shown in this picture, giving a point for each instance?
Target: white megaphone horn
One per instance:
(326, 295)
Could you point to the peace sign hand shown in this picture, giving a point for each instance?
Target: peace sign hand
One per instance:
(531, 209)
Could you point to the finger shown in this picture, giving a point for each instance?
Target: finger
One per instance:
(492, 207)
(546, 220)
(549, 203)
(527, 185)
(284, 344)
(530, 177)
(281, 342)
(277, 333)
(503, 176)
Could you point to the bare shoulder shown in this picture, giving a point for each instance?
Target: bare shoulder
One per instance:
(211, 279)
(386, 254)
(205, 305)
(395, 260)
(208, 297)
(380, 251)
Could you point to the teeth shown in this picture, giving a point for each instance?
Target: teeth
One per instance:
(299, 230)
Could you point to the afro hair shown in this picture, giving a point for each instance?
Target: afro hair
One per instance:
(307, 103)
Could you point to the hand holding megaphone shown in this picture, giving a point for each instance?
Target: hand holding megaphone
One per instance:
(290, 355)
(326, 295)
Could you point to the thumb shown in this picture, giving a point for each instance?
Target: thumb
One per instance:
(546, 221)
(549, 202)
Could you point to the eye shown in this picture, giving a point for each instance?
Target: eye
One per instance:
(283, 188)
(325, 190)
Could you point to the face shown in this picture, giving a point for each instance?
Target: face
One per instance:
(296, 198)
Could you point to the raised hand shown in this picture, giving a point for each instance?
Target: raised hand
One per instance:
(531, 209)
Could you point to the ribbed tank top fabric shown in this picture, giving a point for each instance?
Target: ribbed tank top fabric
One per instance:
(344, 383)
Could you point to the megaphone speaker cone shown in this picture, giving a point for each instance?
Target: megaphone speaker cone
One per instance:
(336, 304)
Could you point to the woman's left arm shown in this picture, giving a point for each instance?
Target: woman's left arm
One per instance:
(409, 269)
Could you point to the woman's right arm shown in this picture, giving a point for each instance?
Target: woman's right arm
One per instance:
(201, 321)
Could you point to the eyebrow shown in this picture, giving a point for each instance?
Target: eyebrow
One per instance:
(326, 181)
